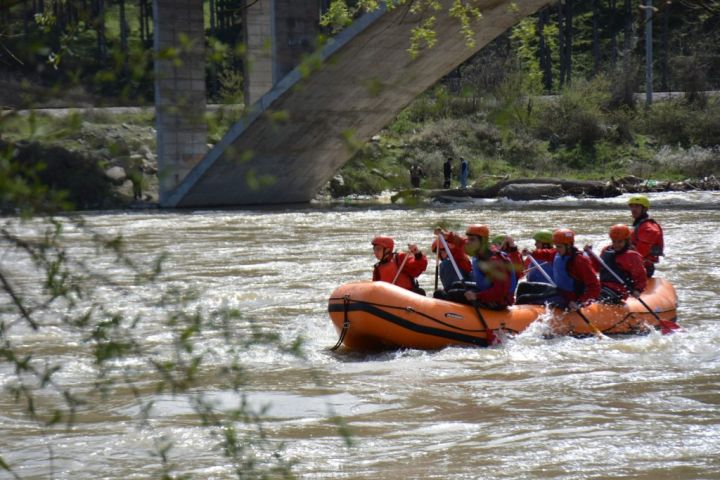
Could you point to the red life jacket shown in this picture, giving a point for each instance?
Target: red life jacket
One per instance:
(648, 239)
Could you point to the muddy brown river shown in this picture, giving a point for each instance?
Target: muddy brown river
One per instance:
(645, 407)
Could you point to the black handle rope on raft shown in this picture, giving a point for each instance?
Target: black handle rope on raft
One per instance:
(346, 323)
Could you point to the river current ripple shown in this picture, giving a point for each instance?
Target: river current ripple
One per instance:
(639, 407)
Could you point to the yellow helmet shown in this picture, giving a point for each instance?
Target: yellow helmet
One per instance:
(639, 200)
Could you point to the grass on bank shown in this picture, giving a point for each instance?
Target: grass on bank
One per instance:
(584, 133)
(577, 135)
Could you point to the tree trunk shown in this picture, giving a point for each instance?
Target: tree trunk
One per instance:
(561, 43)
(213, 25)
(628, 17)
(123, 32)
(26, 18)
(613, 33)
(544, 51)
(143, 25)
(100, 28)
(596, 36)
(664, 33)
(568, 40)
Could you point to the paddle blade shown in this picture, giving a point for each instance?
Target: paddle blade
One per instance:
(492, 339)
(667, 327)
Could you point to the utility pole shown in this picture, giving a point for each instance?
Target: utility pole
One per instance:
(648, 53)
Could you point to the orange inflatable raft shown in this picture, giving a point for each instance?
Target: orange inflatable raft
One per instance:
(374, 316)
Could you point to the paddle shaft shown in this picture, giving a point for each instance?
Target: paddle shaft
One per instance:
(542, 271)
(530, 269)
(619, 279)
(452, 260)
(437, 266)
(402, 265)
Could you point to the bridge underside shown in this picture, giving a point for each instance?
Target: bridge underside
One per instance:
(296, 137)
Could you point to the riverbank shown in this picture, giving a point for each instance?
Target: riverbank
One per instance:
(579, 135)
(105, 158)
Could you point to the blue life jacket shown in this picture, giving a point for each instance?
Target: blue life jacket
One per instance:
(483, 283)
(562, 278)
(536, 276)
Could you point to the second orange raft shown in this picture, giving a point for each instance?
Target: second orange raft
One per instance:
(373, 316)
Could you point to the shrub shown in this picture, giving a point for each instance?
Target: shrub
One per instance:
(621, 124)
(704, 125)
(693, 162)
(623, 82)
(524, 151)
(570, 121)
(80, 177)
(667, 122)
(690, 72)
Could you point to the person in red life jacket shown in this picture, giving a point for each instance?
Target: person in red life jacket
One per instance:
(647, 236)
(456, 244)
(573, 273)
(625, 262)
(505, 243)
(493, 275)
(389, 263)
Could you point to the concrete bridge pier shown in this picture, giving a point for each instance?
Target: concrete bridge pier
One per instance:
(277, 33)
(180, 94)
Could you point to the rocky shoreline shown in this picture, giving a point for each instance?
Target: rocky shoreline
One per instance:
(525, 189)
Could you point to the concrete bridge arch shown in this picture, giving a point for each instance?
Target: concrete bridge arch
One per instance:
(295, 137)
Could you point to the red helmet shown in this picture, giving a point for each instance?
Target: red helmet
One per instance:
(563, 236)
(620, 232)
(478, 230)
(385, 242)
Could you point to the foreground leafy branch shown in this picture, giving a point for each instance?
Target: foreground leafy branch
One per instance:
(59, 274)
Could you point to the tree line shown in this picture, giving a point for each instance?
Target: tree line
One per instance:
(106, 45)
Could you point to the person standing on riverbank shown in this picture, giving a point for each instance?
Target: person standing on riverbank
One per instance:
(464, 172)
(416, 173)
(137, 177)
(647, 236)
(447, 172)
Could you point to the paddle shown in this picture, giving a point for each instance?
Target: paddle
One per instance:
(437, 265)
(541, 270)
(402, 265)
(666, 326)
(595, 330)
(528, 270)
(490, 335)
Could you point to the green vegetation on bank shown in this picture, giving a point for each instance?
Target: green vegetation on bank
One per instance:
(578, 134)
(592, 129)
(574, 135)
